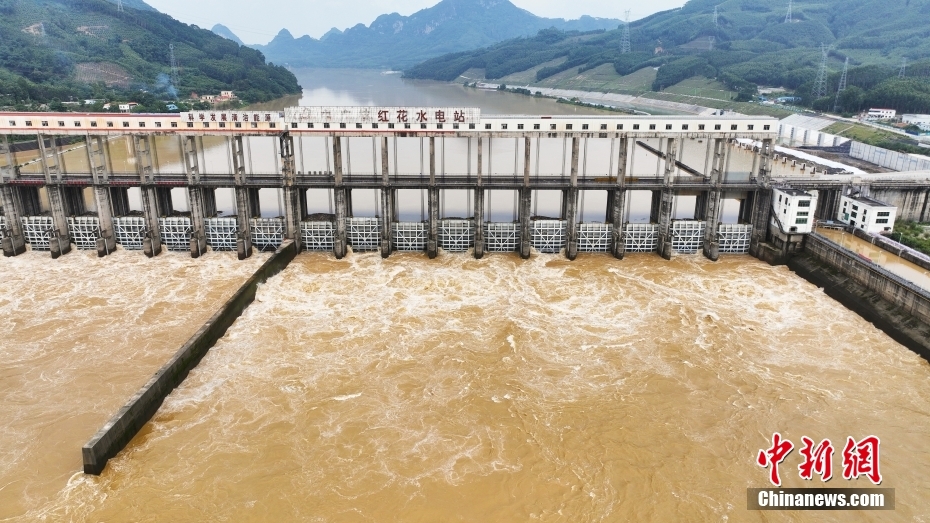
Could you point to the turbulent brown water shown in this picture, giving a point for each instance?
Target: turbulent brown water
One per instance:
(462, 390)
(78, 337)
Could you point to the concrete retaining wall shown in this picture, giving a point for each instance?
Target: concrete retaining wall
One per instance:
(887, 244)
(122, 427)
(793, 136)
(889, 159)
(903, 294)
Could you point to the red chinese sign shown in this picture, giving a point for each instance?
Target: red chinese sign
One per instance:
(859, 459)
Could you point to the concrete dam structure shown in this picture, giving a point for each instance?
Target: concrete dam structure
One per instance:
(75, 160)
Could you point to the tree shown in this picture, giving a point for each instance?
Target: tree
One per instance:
(851, 99)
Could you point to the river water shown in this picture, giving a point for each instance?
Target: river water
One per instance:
(452, 389)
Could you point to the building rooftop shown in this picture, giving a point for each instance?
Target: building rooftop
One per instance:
(793, 192)
(869, 201)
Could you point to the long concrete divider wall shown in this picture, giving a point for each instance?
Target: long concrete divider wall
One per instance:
(122, 427)
(903, 294)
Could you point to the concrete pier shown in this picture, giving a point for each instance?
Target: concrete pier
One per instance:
(150, 209)
(479, 204)
(616, 204)
(666, 199)
(122, 427)
(340, 240)
(196, 196)
(59, 236)
(13, 241)
(387, 200)
(432, 229)
(244, 208)
(709, 207)
(525, 195)
(570, 205)
(106, 244)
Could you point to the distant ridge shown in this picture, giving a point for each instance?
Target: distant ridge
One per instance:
(746, 44)
(396, 41)
(226, 33)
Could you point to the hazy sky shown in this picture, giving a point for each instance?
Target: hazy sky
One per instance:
(257, 22)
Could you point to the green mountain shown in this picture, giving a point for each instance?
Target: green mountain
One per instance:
(397, 41)
(77, 49)
(751, 44)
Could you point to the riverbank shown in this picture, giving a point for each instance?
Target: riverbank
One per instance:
(609, 100)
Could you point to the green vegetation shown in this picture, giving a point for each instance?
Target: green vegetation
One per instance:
(875, 136)
(55, 51)
(914, 235)
(751, 45)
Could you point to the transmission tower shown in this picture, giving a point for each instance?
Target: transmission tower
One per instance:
(903, 71)
(625, 38)
(715, 17)
(710, 42)
(119, 5)
(842, 87)
(788, 18)
(175, 74)
(820, 84)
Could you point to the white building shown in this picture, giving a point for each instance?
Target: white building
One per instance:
(880, 114)
(870, 215)
(920, 120)
(794, 210)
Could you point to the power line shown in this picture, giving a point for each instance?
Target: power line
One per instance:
(842, 87)
(625, 37)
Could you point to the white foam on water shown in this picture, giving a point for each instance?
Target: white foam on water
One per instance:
(368, 387)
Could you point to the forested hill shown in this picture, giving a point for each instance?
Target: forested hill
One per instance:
(396, 41)
(752, 44)
(77, 49)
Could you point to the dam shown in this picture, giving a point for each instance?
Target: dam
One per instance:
(306, 149)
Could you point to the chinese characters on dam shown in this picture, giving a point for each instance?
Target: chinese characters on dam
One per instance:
(387, 115)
